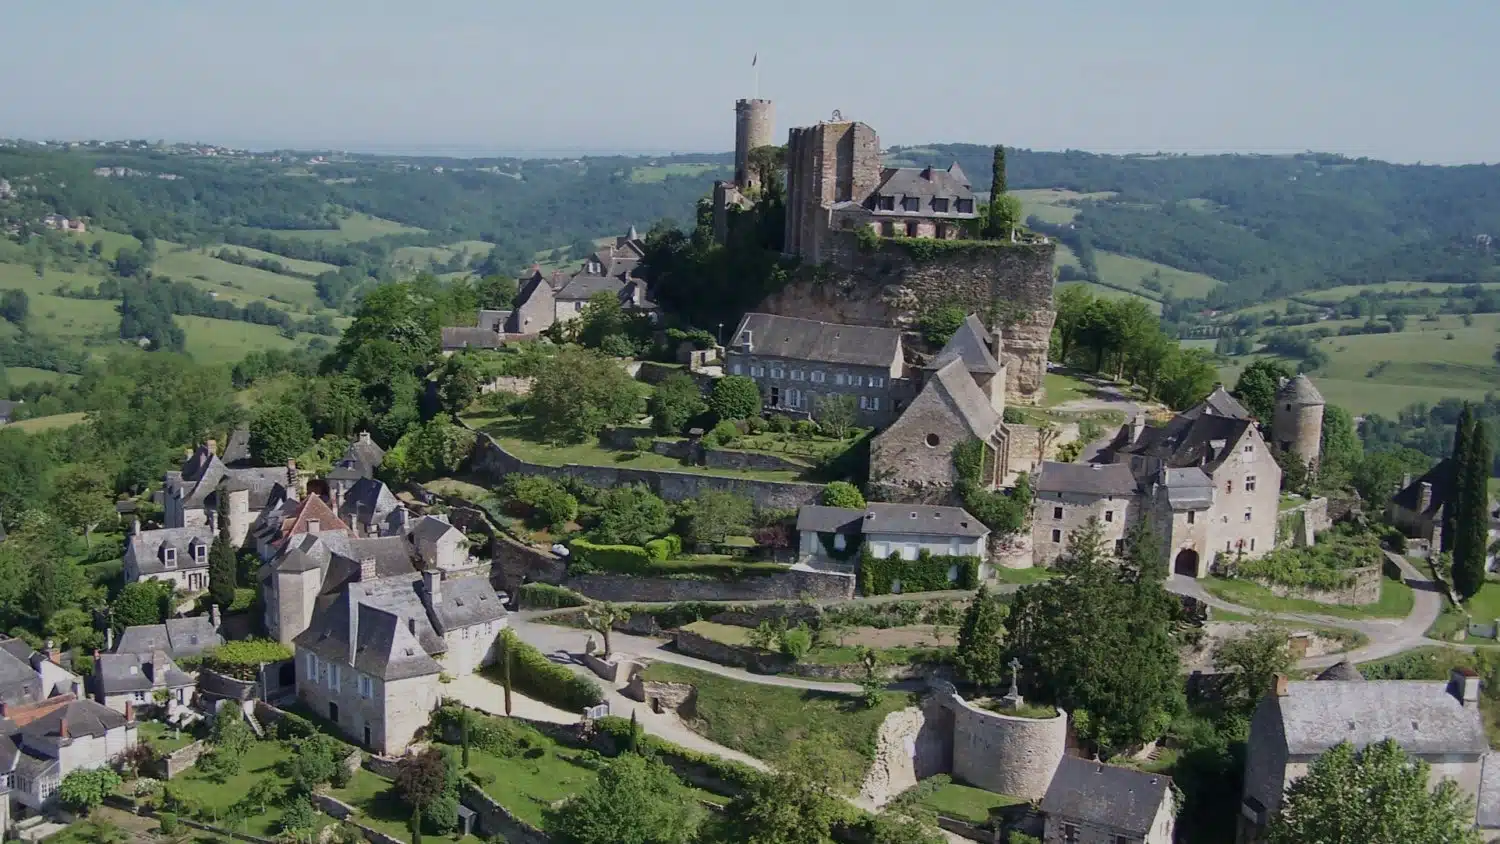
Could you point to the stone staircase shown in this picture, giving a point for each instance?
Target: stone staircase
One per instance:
(255, 726)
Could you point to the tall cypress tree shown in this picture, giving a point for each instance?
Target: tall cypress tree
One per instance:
(1461, 435)
(997, 189)
(1472, 518)
(222, 563)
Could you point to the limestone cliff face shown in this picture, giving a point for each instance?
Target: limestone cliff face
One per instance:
(891, 282)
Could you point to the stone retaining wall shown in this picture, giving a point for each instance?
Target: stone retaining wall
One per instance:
(179, 760)
(751, 659)
(664, 697)
(716, 458)
(1364, 588)
(495, 820)
(789, 585)
(385, 766)
(623, 438)
(491, 459)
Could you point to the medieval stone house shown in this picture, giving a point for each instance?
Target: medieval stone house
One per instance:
(829, 536)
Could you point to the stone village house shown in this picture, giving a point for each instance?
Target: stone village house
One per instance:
(46, 741)
(828, 537)
(1437, 722)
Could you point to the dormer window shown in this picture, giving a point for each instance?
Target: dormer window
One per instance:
(911, 203)
(940, 206)
(199, 551)
(169, 556)
(966, 206)
(887, 203)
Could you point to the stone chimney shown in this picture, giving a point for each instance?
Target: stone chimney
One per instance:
(364, 437)
(109, 639)
(50, 652)
(1463, 684)
(212, 446)
(213, 615)
(403, 516)
(1424, 497)
(4, 709)
(291, 476)
(1137, 427)
(1278, 685)
(129, 710)
(432, 583)
(213, 516)
(367, 569)
(62, 726)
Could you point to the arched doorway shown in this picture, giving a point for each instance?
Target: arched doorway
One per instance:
(1187, 563)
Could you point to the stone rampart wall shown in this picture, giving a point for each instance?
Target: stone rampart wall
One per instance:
(789, 585)
(751, 659)
(1004, 753)
(727, 459)
(180, 760)
(495, 820)
(623, 439)
(490, 459)
(1364, 588)
(893, 283)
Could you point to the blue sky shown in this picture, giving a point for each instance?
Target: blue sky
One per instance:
(1393, 79)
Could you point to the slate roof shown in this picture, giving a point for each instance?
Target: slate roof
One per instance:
(1220, 403)
(581, 287)
(1188, 488)
(19, 682)
(466, 601)
(7, 409)
(1108, 795)
(1443, 477)
(365, 453)
(118, 673)
(145, 547)
(816, 517)
(1086, 478)
(1203, 440)
(1488, 814)
(1299, 390)
(927, 183)
(970, 343)
(825, 342)
(386, 647)
(921, 519)
(178, 637)
(492, 320)
(458, 337)
(368, 500)
(1342, 671)
(237, 450)
(202, 472)
(1423, 717)
(955, 386)
(83, 717)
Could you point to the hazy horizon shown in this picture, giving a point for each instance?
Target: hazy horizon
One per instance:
(464, 78)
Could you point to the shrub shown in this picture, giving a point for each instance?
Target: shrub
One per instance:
(660, 550)
(673, 402)
(796, 642)
(780, 423)
(939, 324)
(535, 676)
(642, 444)
(805, 429)
(547, 596)
(735, 397)
(293, 727)
(621, 731)
(842, 494)
(168, 821)
(503, 737)
(1013, 416)
(544, 500)
(1325, 565)
(724, 434)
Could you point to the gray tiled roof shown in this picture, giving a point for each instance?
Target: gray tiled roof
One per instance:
(1488, 814)
(1342, 671)
(465, 601)
(1299, 390)
(492, 320)
(470, 338)
(179, 637)
(816, 517)
(581, 287)
(385, 645)
(145, 547)
(83, 717)
(117, 673)
(368, 499)
(953, 383)
(825, 342)
(237, 450)
(7, 409)
(1086, 478)
(1188, 440)
(1423, 717)
(921, 519)
(365, 453)
(430, 529)
(1443, 478)
(1108, 795)
(926, 183)
(970, 344)
(1220, 403)
(19, 682)
(1188, 488)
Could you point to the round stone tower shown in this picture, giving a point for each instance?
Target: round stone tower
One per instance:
(754, 125)
(1297, 424)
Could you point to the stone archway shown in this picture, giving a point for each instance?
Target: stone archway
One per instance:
(1186, 563)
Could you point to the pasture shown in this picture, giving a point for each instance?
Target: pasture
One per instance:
(238, 284)
(352, 229)
(296, 265)
(660, 172)
(223, 341)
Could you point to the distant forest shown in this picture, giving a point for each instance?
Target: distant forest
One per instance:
(1266, 225)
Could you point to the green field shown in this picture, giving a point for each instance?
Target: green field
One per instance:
(659, 172)
(1396, 600)
(48, 423)
(18, 375)
(965, 802)
(1053, 205)
(353, 228)
(1103, 292)
(1334, 295)
(59, 316)
(224, 341)
(419, 257)
(1424, 365)
(236, 283)
(18, 276)
(294, 264)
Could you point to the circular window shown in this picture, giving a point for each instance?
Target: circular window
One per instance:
(932, 440)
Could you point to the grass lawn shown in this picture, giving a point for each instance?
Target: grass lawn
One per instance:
(162, 738)
(729, 634)
(259, 763)
(1484, 607)
(1396, 600)
(68, 319)
(966, 802)
(49, 423)
(353, 228)
(226, 341)
(512, 434)
(297, 265)
(211, 274)
(20, 375)
(766, 721)
(380, 808)
(528, 786)
(1063, 388)
(849, 655)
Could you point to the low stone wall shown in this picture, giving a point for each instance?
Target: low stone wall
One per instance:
(495, 820)
(617, 669)
(507, 384)
(179, 760)
(786, 586)
(514, 563)
(1010, 552)
(490, 459)
(664, 697)
(678, 449)
(854, 672)
(751, 617)
(751, 659)
(623, 438)
(332, 806)
(216, 685)
(716, 458)
(1364, 588)
(385, 766)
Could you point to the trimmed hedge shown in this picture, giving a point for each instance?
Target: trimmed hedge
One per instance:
(504, 737)
(584, 556)
(927, 573)
(665, 548)
(535, 676)
(242, 659)
(547, 596)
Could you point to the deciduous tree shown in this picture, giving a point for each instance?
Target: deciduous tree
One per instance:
(1249, 661)
(835, 412)
(278, 433)
(635, 801)
(81, 498)
(631, 515)
(673, 402)
(735, 397)
(842, 494)
(421, 780)
(979, 656)
(1257, 386)
(577, 392)
(1375, 796)
(714, 514)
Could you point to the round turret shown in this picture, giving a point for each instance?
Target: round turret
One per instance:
(1297, 423)
(754, 126)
